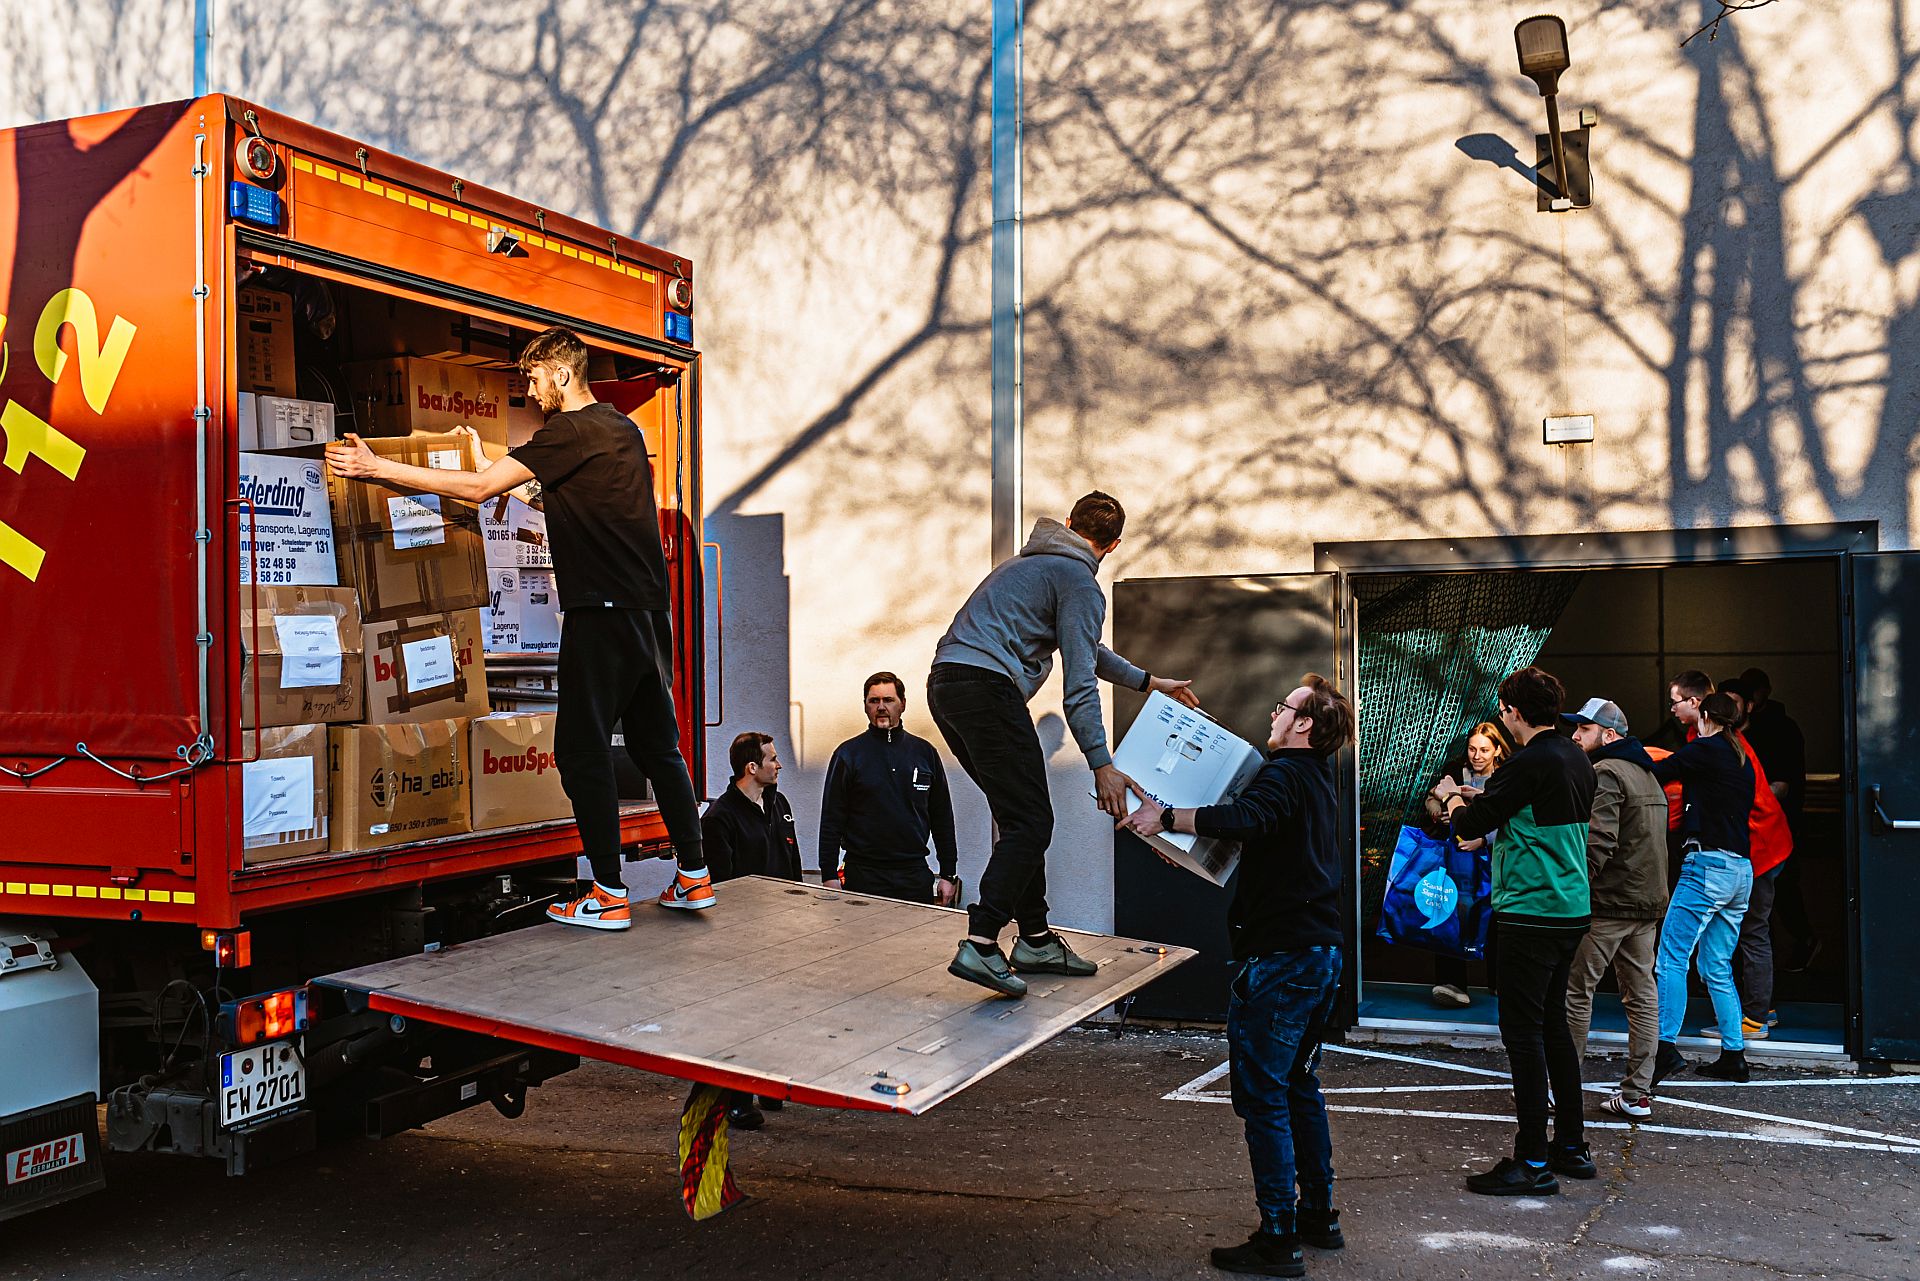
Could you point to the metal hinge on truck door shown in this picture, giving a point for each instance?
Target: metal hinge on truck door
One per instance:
(22, 952)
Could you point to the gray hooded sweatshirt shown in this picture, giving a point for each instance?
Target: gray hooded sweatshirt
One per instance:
(1044, 599)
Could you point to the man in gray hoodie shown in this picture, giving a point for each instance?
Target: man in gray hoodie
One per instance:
(993, 659)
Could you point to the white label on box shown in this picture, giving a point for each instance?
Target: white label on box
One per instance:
(309, 650)
(428, 663)
(278, 796)
(416, 520)
(286, 530)
(445, 460)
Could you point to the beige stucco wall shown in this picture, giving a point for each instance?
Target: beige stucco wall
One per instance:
(1281, 287)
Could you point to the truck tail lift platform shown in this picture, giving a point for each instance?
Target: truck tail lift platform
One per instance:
(783, 990)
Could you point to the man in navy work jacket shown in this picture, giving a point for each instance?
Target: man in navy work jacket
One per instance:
(886, 795)
(1285, 928)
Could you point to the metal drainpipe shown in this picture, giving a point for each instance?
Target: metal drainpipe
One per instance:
(202, 45)
(1009, 20)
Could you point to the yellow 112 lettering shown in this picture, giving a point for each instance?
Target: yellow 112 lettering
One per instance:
(27, 435)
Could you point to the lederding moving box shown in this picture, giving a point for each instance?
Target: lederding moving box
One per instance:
(391, 784)
(302, 644)
(410, 554)
(284, 793)
(286, 524)
(525, 615)
(1184, 759)
(265, 339)
(405, 394)
(425, 668)
(515, 779)
(516, 534)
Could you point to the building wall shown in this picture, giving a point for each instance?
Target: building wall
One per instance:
(1285, 281)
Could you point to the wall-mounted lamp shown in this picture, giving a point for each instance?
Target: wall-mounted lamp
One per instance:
(1542, 44)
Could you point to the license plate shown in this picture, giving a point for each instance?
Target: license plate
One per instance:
(260, 1081)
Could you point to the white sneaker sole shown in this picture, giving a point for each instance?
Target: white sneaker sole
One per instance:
(682, 905)
(589, 922)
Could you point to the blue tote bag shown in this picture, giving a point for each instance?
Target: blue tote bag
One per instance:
(1439, 897)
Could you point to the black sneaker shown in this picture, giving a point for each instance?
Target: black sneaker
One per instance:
(746, 1117)
(1730, 1066)
(1319, 1228)
(1263, 1255)
(1668, 1061)
(1576, 1162)
(1514, 1178)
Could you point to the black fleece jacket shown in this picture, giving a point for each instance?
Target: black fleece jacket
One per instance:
(1287, 823)
(886, 795)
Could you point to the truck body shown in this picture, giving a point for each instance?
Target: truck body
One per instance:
(128, 586)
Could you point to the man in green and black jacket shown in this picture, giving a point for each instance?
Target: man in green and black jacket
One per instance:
(1540, 801)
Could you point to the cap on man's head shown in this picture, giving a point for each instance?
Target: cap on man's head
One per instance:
(1599, 711)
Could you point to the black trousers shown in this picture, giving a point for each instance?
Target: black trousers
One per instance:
(987, 728)
(910, 881)
(617, 665)
(1534, 963)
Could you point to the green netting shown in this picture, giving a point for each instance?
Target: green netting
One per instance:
(1433, 651)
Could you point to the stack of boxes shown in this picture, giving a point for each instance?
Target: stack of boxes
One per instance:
(364, 692)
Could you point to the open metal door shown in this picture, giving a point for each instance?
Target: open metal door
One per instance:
(1244, 641)
(1886, 614)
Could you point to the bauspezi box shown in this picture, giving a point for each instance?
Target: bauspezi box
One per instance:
(1184, 759)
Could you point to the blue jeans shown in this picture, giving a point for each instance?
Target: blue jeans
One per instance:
(1279, 1011)
(1707, 906)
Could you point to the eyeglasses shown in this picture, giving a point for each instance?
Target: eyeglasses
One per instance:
(1676, 702)
(1288, 707)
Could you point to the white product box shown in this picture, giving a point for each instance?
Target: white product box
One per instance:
(281, 422)
(1184, 759)
(287, 532)
(524, 615)
(516, 534)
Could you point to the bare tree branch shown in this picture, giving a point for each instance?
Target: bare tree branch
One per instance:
(1728, 8)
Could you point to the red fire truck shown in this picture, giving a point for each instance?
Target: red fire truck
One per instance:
(146, 961)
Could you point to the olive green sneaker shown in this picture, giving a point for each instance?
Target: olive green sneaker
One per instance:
(989, 971)
(1055, 958)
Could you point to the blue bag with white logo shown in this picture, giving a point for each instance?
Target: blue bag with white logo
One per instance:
(1439, 897)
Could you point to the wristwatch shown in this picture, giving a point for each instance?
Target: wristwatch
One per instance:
(1166, 819)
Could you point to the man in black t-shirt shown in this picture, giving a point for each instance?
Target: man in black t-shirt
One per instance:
(616, 643)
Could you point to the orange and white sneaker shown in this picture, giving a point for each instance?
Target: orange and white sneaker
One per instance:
(594, 910)
(688, 893)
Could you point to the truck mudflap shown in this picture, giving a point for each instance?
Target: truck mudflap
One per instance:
(51, 1154)
(784, 990)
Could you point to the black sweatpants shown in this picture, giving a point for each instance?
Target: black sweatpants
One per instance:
(986, 725)
(910, 881)
(616, 665)
(1534, 963)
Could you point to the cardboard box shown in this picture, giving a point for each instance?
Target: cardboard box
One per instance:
(525, 615)
(308, 660)
(425, 668)
(386, 326)
(409, 554)
(404, 394)
(515, 779)
(284, 793)
(280, 422)
(287, 535)
(264, 328)
(391, 784)
(1185, 759)
(516, 534)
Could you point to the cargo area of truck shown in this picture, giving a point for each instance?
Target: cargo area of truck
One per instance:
(784, 990)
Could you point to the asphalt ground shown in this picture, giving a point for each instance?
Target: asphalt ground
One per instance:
(1069, 1163)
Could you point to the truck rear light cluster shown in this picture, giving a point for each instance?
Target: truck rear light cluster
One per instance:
(267, 1017)
(232, 949)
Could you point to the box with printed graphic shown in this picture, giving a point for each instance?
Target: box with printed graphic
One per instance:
(423, 668)
(408, 553)
(286, 522)
(525, 615)
(516, 534)
(1184, 759)
(281, 422)
(391, 784)
(405, 395)
(515, 779)
(283, 787)
(263, 326)
(302, 645)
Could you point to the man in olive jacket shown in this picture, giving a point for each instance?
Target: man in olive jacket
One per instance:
(1627, 880)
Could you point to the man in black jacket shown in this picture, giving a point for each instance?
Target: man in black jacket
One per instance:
(1286, 932)
(886, 794)
(748, 829)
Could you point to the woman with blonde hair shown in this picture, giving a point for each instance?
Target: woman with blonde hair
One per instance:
(1486, 751)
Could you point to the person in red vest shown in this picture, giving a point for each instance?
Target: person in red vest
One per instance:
(1772, 843)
